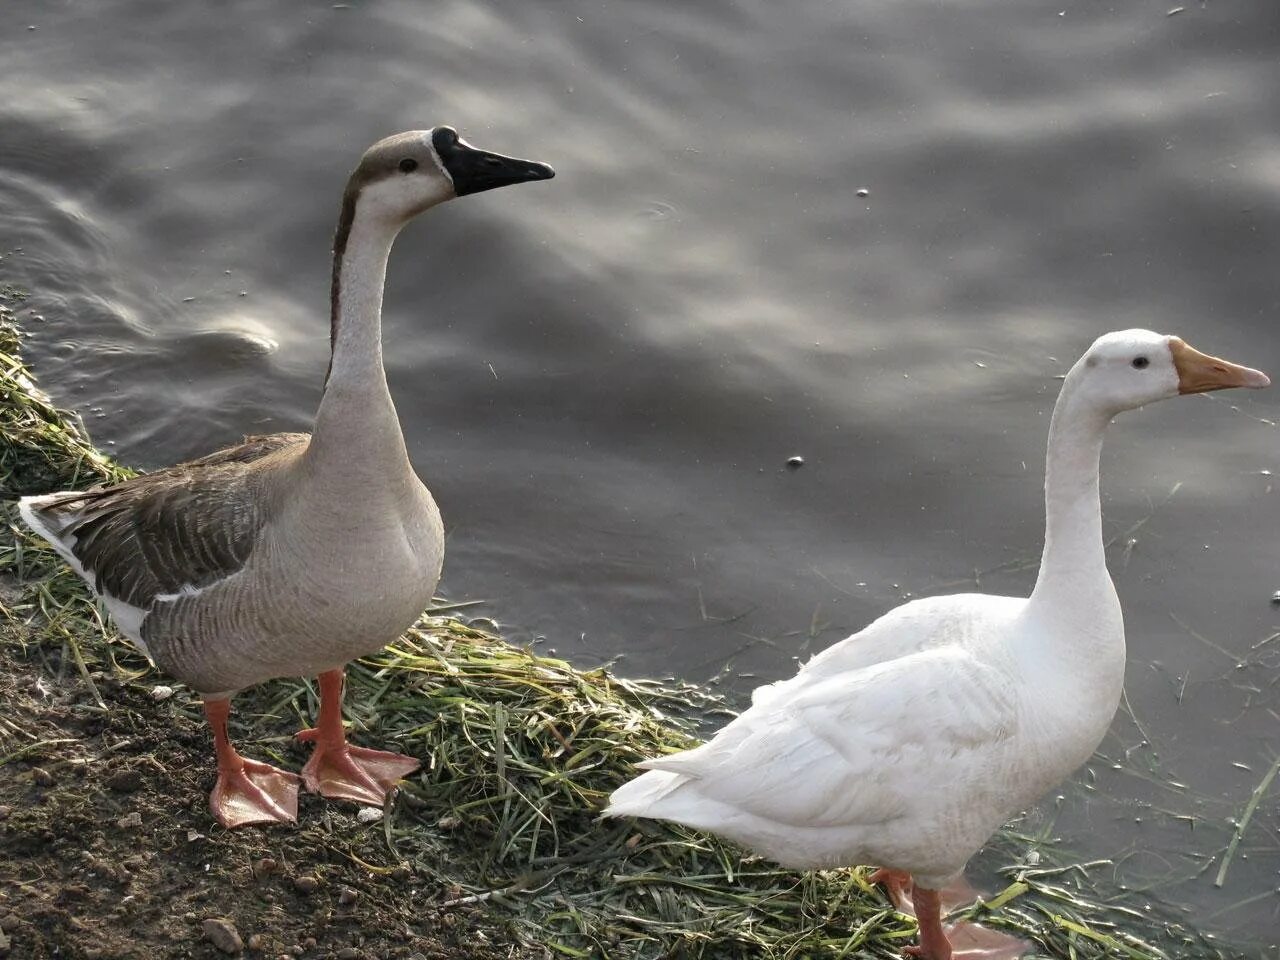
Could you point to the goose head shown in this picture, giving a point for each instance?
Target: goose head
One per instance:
(402, 175)
(1130, 368)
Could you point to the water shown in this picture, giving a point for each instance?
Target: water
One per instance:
(603, 377)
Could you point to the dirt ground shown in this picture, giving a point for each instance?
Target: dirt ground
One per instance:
(108, 851)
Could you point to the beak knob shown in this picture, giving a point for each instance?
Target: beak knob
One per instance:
(474, 171)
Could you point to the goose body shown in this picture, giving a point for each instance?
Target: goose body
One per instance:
(290, 554)
(246, 565)
(908, 744)
(834, 766)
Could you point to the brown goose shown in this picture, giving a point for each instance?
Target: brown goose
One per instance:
(290, 554)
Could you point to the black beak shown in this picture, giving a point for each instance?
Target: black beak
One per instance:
(474, 171)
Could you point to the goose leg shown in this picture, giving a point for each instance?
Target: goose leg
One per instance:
(934, 944)
(960, 941)
(247, 791)
(337, 769)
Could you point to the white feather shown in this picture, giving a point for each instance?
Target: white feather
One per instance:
(908, 744)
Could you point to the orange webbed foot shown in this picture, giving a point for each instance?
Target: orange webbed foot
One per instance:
(256, 793)
(337, 769)
(343, 772)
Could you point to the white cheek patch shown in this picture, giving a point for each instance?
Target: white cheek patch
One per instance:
(431, 148)
(400, 196)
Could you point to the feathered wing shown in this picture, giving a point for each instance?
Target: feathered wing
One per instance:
(178, 529)
(842, 751)
(924, 624)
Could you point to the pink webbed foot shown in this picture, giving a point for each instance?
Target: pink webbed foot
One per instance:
(344, 772)
(340, 771)
(247, 791)
(255, 793)
(973, 941)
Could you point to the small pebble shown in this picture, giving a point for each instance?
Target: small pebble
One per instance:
(41, 776)
(347, 897)
(263, 867)
(222, 934)
(348, 953)
(255, 941)
(130, 821)
(309, 943)
(369, 814)
(401, 873)
(306, 884)
(9, 922)
(161, 693)
(795, 463)
(5, 810)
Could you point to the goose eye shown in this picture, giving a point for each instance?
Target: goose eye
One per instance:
(1140, 362)
(408, 165)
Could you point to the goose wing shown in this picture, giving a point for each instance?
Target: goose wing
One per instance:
(959, 619)
(860, 748)
(177, 529)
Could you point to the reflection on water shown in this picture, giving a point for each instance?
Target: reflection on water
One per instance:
(602, 377)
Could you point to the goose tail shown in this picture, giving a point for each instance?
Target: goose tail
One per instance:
(48, 524)
(648, 795)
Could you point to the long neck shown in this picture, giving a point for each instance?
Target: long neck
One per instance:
(1074, 651)
(356, 416)
(1073, 571)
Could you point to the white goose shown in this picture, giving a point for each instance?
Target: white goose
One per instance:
(290, 554)
(908, 744)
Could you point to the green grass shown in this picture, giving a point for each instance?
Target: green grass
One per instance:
(522, 751)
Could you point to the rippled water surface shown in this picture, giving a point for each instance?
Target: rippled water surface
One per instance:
(602, 377)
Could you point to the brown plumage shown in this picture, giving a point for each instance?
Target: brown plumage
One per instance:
(185, 526)
(290, 554)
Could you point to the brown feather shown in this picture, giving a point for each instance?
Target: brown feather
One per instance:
(191, 524)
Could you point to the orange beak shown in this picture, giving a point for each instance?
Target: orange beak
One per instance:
(1199, 373)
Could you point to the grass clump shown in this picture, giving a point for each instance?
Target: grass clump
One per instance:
(520, 752)
(43, 447)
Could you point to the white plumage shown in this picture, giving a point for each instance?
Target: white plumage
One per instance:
(909, 743)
